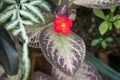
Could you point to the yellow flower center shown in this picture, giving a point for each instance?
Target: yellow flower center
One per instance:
(63, 24)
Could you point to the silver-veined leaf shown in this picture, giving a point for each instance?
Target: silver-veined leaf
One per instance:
(85, 72)
(27, 22)
(29, 15)
(16, 32)
(4, 16)
(8, 53)
(35, 2)
(66, 52)
(34, 34)
(36, 12)
(1, 4)
(58, 75)
(14, 16)
(11, 25)
(40, 76)
(23, 1)
(9, 8)
(97, 3)
(45, 5)
(9, 1)
(23, 7)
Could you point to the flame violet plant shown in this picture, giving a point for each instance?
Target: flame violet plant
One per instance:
(32, 23)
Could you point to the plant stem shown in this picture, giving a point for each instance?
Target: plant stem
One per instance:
(25, 58)
(59, 3)
(25, 55)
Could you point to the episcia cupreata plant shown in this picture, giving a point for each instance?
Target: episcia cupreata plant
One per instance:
(62, 48)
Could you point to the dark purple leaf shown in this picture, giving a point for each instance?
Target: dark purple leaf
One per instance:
(85, 72)
(8, 53)
(40, 76)
(97, 3)
(66, 52)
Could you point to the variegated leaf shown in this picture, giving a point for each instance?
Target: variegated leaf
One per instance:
(66, 52)
(11, 25)
(97, 3)
(85, 72)
(5, 15)
(41, 76)
(36, 11)
(1, 4)
(27, 22)
(29, 15)
(23, 1)
(34, 31)
(9, 1)
(45, 5)
(16, 32)
(14, 16)
(34, 34)
(35, 2)
(58, 75)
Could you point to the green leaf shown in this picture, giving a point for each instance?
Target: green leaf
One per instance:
(99, 13)
(96, 41)
(113, 18)
(109, 39)
(117, 24)
(11, 25)
(37, 12)
(112, 9)
(29, 15)
(110, 25)
(103, 27)
(104, 44)
(66, 52)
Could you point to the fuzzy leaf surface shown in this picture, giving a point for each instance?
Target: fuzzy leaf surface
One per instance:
(103, 4)
(34, 34)
(41, 76)
(66, 52)
(85, 72)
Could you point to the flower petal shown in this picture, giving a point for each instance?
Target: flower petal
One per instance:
(65, 30)
(69, 23)
(57, 22)
(58, 29)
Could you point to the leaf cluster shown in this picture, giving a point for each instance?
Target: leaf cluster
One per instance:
(101, 41)
(109, 20)
(25, 12)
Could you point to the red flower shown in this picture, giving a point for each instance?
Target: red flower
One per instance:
(62, 25)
